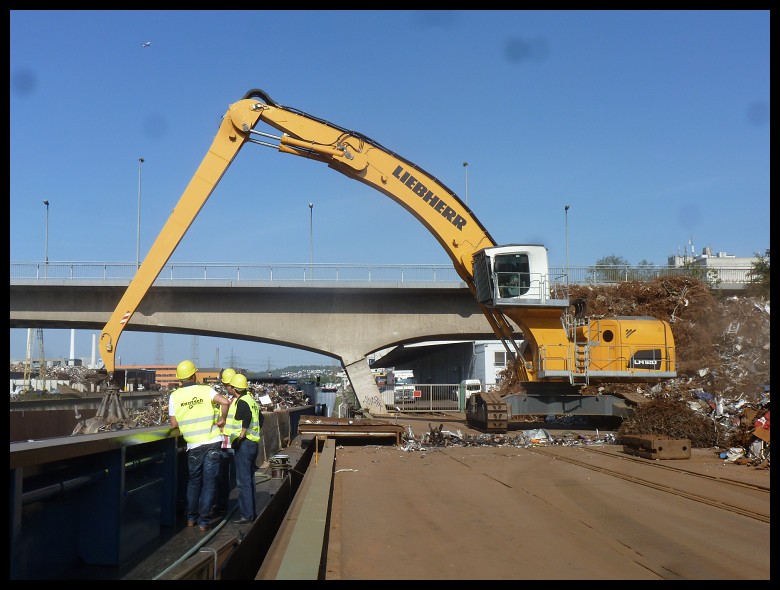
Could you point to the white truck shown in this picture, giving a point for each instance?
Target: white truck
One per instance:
(403, 385)
(469, 387)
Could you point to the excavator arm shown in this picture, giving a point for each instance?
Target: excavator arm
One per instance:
(232, 135)
(437, 207)
(360, 158)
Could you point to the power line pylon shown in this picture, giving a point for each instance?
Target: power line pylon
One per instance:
(41, 359)
(28, 362)
(195, 351)
(160, 356)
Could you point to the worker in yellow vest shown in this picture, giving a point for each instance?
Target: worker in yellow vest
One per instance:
(191, 410)
(244, 428)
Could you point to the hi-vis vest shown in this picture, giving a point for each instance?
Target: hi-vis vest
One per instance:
(217, 407)
(233, 427)
(194, 411)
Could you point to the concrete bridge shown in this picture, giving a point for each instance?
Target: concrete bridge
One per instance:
(346, 311)
(344, 320)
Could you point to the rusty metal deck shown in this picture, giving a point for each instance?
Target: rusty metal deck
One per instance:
(356, 428)
(651, 446)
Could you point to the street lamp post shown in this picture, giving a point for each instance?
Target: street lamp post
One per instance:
(566, 212)
(311, 240)
(46, 240)
(138, 233)
(466, 169)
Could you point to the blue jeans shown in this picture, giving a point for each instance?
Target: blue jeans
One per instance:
(244, 460)
(203, 464)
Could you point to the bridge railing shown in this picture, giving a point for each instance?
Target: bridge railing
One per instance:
(242, 272)
(351, 272)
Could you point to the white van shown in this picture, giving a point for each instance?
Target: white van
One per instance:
(469, 386)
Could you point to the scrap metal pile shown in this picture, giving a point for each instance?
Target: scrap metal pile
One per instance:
(438, 437)
(722, 345)
(723, 364)
(80, 379)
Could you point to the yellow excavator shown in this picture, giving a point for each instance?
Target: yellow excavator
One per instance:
(527, 311)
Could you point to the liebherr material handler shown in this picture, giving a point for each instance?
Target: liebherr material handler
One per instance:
(558, 351)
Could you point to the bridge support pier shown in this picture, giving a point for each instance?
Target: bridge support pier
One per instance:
(364, 384)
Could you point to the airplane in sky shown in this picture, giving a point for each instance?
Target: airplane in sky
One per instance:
(147, 44)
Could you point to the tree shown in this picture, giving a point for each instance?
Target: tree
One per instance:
(612, 260)
(646, 270)
(611, 269)
(759, 276)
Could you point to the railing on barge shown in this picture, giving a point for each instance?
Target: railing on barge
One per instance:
(103, 499)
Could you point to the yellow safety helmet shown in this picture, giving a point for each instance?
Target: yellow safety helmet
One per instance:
(227, 375)
(185, 370)
(238, 381)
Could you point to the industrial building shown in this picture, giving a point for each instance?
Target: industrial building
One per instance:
(450, 361)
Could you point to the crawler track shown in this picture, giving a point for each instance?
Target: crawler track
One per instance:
(679, 481)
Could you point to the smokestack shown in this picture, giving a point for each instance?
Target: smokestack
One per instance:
(72, 356)
(94, 350)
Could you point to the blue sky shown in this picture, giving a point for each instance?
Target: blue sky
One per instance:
(652, 125)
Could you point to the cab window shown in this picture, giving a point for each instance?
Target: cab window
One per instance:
(513, 275)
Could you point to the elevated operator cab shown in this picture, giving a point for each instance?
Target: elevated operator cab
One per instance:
(514, 275)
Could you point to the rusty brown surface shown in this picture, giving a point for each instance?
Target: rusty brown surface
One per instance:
(550, 512)
(339, 428)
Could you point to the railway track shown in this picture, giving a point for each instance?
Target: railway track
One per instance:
(722, 493)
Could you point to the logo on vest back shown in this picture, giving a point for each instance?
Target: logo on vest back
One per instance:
(193, 402)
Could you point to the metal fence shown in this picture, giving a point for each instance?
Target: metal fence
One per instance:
(248, 273)
(713, 275)
(429, 397)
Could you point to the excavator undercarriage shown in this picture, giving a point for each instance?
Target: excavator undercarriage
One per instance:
(488, 411)
(496, 412)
